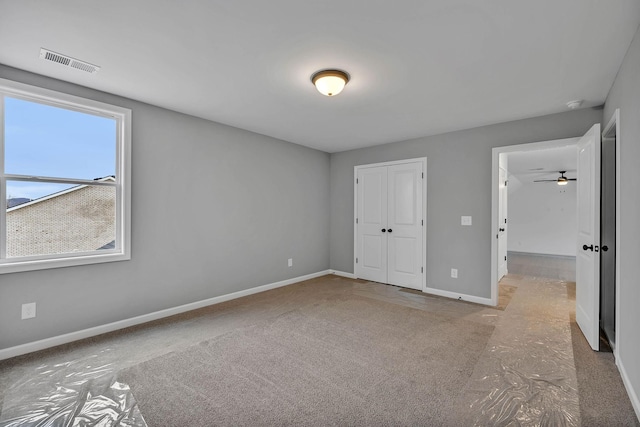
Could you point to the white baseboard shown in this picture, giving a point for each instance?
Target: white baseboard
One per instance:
(633, 396)
(462, 297)
(18, 350)
(343, 274)
(439, 292)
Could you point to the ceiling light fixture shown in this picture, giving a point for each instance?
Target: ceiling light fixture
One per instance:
(561, 180)
(330, 82)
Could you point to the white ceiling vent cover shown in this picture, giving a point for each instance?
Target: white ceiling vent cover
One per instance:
(68, 61)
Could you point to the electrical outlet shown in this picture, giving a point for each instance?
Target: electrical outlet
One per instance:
(28, 310)
(454, 273)
(290, 262)
(465, 220)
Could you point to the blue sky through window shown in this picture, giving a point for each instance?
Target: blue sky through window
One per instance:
(41, 140)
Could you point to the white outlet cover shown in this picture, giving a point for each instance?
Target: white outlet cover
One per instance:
(28, 310)
(465, 220)
(454, 273)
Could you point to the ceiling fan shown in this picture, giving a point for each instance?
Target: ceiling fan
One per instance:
(561, 180)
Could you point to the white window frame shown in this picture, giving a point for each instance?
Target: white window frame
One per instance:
(122, 184)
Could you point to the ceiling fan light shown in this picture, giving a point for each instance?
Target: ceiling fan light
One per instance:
(330, 82)
(564, 181)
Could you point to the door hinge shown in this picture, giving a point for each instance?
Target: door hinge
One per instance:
(505, 258)
(356, 260)
(356, 220)
(421, 269)
(422, 175)
(423, 222)
(356, 180)
(505, 183)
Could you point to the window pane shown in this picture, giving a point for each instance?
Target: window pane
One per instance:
(78, 219)
(41, 140)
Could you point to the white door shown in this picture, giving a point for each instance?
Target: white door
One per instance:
(389, 229)
(404, 225)
(502, 224)
(588, 255)
(371, 262)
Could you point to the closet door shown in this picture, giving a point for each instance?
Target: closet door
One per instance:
(371, 263)
(404, 225)
(389, 229)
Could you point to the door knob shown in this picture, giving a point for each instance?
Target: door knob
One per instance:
(501, 229)
(383, 230)
(389, 230)
(585, 247)
(604, 248)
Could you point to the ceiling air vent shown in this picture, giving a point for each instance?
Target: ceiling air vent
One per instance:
(68, 61)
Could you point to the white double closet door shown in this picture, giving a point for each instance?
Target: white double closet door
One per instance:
(390, 224)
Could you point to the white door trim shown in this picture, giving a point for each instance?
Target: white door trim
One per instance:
(423, 160)
(502, 207)
(495, 165)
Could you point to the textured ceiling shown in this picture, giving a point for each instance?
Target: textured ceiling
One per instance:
(418, 67)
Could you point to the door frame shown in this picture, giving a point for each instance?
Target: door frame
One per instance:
(495, 214)
(356, 168)
(502, 206)
(612, 130)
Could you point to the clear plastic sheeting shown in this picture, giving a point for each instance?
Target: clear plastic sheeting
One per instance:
(526, 377)
(81, 393)
(526, 393)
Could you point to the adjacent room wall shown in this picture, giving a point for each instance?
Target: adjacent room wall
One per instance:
(542, 218)
(215, 210)
(459, 183)
(625, 95)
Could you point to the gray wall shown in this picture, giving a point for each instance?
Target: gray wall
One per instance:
(542, 217)
(215, 210)
(625, 94)
(458, 183)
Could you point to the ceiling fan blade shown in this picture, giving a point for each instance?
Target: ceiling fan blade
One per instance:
(572, 179)
(546, 180)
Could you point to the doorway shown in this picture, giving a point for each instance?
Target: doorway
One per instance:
(542, 197)
(500, 221)
(600, 293)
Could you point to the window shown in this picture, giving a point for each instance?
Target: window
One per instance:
(64, 174)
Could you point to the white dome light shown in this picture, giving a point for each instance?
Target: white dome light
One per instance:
(330, 82)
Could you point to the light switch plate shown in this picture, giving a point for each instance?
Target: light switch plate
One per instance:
(290, 262)
(465, 220)
(454, 273)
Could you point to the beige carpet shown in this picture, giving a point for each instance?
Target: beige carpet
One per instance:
(505, 293)
(339, 336)
(355, 361)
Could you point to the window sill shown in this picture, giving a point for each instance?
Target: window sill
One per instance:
(10, 266)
